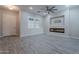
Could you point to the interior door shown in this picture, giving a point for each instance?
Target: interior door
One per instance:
(9, 23)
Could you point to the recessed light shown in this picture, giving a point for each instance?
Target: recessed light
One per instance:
(10, 8)
(30, 8)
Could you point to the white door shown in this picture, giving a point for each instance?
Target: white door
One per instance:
(9, 24)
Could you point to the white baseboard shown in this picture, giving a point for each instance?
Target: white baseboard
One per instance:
(31, 34)
(73, 37)
(63, 35)
(59, 35)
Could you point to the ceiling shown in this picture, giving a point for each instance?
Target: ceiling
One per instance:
(35, 8)
(9, 7)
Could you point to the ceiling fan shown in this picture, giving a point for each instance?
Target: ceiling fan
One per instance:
(48, 10)
(51, 9)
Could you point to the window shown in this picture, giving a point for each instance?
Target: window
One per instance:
(37, 24)
(30, 23)
(33, 23)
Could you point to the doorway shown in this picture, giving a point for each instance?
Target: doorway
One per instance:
(9, 23)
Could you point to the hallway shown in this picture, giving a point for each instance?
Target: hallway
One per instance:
(40, 44)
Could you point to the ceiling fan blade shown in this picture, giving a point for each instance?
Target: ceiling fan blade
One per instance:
(52, 7)
(52, 11)
(55, 9)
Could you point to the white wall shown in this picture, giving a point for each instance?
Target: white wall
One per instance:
(71, 23)
(24, 30)
(71, 19)
(74, 22)
(66, 15)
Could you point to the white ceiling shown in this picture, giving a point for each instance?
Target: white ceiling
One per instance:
(36, 8)
(41, 7)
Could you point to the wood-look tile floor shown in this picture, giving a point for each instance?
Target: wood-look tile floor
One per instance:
(39, 44)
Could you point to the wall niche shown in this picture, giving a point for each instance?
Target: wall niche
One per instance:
(57, 24)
